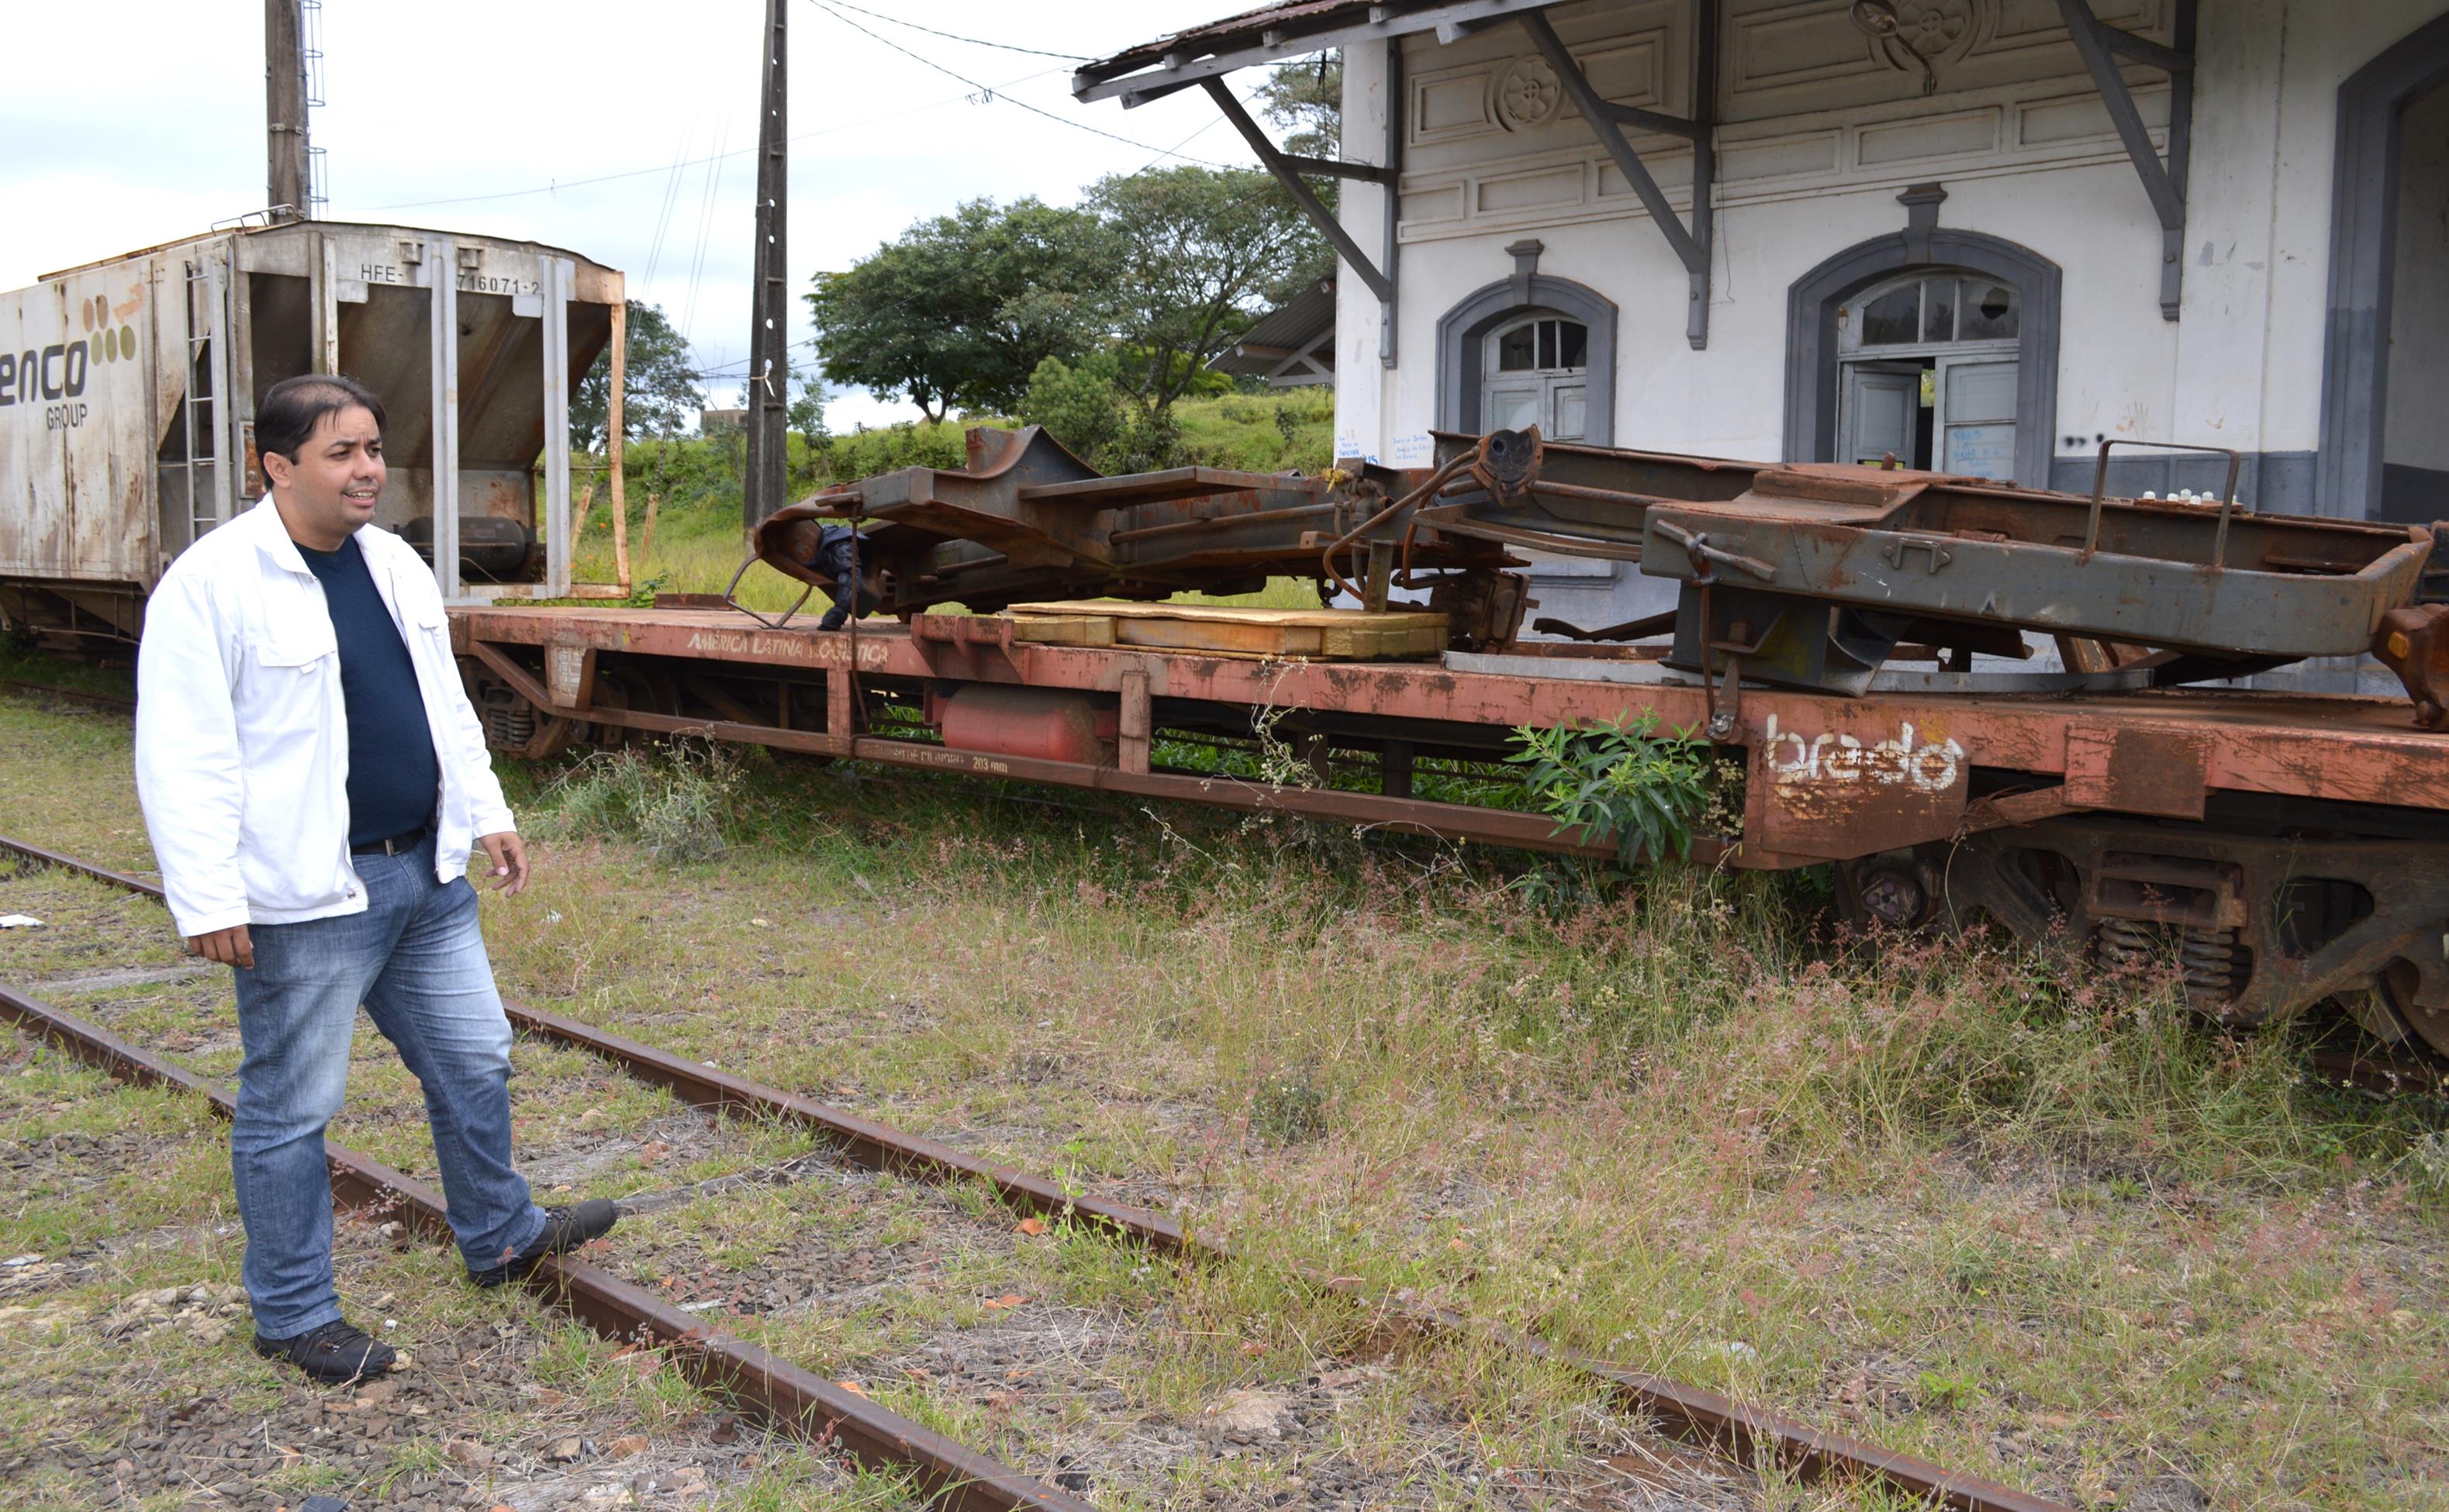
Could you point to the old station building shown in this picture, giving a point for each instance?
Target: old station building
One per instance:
(1978, 235)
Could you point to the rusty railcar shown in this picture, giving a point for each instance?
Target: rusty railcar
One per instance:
(1852, 641)
(127, 392)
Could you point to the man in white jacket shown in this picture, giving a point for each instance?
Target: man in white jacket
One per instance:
(315, 780)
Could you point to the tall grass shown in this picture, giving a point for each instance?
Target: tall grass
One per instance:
(673, 802)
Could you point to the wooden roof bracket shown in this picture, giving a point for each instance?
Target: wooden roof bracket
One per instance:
(1608, 120)
(1289, 169)
(2164, 182)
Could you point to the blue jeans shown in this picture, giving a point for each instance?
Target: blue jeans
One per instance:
(416, 960)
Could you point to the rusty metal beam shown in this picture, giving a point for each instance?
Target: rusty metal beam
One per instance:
(2344, 750)
(1529, 832)
(792, 1399)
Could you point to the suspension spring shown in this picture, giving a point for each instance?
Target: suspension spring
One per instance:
(509, 725)
(2209, 959)
(2123, 943)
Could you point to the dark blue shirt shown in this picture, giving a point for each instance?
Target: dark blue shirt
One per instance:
(395, 782)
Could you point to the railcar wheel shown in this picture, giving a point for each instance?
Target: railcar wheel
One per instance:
(2389, 1012)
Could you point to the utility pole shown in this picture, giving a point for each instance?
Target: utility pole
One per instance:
(769, 375)
(284, 110)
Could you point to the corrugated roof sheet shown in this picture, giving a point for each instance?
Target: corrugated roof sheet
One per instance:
(1298, 324)
(1287, 14)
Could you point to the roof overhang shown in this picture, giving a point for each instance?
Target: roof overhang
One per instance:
(1299, 328)
(1289, 29)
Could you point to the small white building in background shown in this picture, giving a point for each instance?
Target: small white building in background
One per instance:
(1954, 231)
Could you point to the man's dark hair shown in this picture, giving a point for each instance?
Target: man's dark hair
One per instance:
(294, 407)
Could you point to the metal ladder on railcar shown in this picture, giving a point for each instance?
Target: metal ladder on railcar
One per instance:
(202, 512)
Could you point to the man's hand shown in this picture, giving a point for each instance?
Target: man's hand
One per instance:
(230, 947)
(509, 855)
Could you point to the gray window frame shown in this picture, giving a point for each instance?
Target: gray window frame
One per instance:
(1812, 348)
(2363, 253)
(1464, 331)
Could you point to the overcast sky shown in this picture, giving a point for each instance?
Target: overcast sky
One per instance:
(136, 122)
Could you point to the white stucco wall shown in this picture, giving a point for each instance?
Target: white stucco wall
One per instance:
(1813, 155)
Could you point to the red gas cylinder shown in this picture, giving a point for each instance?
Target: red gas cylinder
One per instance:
(1044, 724)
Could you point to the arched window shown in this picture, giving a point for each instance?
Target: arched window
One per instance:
(1536, 372)
(1574, 371)
(1940, 347)
(1927, 367)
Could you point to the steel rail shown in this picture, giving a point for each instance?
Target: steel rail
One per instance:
(792, 1399)
(69, 863)
(108, 701)
(2391, 1077)
(1747, 1433)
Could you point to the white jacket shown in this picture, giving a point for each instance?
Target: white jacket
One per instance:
(243, 738)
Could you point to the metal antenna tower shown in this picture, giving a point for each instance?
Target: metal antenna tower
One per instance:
(769, 373)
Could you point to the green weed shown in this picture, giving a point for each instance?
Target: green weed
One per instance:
(673, 801)
(1621, 781)
(1287, 1110)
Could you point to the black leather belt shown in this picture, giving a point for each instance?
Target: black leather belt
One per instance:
(395, 844)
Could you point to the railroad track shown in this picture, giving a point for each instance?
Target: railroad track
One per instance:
(795, 1400)
(46, 690)
(788, 1397)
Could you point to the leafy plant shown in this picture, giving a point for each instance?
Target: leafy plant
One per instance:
(1947, 1392)
(1621, 781)
(672, 801)
(1561, 887)
(1288, 1109)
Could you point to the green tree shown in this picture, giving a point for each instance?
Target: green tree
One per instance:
(1196, 255)
(1081, 405)
(961, 310)
(660, 393)
(807, 413)
(1076, 402)
(1303, 97)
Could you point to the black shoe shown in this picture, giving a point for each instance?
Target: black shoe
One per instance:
(332, 1354)
(565, 1229)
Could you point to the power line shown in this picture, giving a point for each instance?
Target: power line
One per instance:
(556, 186)
(704, 226)
(1213, 121)
(986, 94)
(954, 36)
(664, 220)
(737, 368)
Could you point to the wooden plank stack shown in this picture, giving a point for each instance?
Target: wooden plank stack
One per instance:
(1209, 629)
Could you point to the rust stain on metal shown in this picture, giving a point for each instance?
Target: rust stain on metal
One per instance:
(2133, 769)
(2414, 642)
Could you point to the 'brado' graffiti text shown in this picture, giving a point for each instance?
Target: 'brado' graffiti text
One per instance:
(1827, 758)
